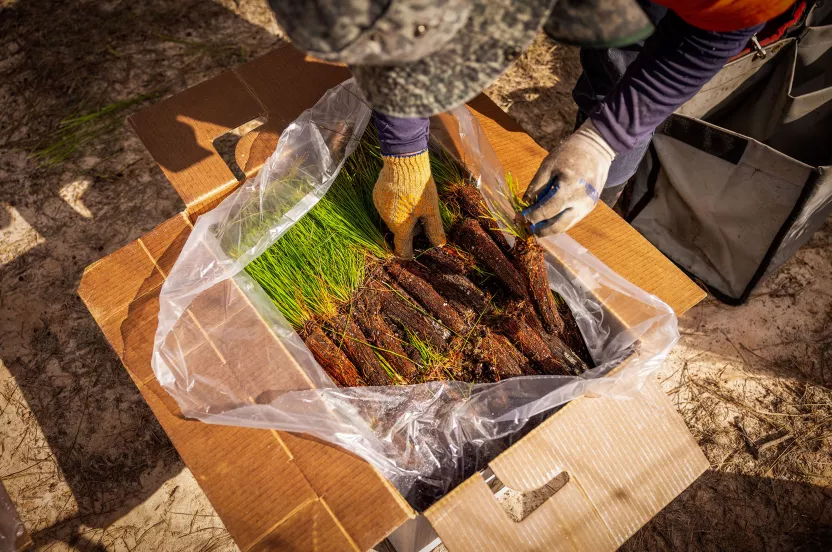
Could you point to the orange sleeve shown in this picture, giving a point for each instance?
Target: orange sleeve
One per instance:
(726, 15)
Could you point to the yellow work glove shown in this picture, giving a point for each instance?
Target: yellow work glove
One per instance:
(404, 194)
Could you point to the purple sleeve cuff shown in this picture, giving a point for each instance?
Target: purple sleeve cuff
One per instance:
(400, 136)
(676, 62)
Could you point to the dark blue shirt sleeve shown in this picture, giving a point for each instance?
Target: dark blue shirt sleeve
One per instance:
(676, 62)
(399, 136)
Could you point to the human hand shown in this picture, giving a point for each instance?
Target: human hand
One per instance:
(569, 181)
(405, 193)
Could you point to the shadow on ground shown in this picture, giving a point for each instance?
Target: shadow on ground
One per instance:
(758, 514)
(93, 190)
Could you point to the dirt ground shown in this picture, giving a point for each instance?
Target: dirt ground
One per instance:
(80, 452)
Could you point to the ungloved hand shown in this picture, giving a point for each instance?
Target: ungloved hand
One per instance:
(405, 193)
(569, 181)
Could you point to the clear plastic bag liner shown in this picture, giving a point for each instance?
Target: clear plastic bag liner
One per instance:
(227, 355)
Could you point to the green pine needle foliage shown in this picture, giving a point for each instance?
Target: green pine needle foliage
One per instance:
(77, 131)
(314, 268)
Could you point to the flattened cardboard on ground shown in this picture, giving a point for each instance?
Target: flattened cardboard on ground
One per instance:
(280, 491)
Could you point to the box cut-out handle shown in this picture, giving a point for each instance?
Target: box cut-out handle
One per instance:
(626, 460)
(228, 143)
(565, 521)
(518, 505)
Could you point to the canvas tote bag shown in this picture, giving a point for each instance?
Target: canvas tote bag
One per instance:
(738, 179)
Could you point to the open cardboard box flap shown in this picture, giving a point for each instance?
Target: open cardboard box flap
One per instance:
(273, 490)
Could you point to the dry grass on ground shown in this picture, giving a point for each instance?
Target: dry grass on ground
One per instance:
(80, 451)
(82, 455)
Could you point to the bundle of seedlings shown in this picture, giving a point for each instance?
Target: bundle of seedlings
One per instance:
(476, 309)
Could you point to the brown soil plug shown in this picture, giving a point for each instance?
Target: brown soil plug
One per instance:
(332, 359)
(472, 204)
(568, 362)
(410, 319)
(447, 259)
(572, 333)
(349, 336)
(412, 279)
(379, 332)
(529, 258)
(501, 358)
(471, 237)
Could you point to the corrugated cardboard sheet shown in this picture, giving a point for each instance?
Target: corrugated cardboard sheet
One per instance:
(290, 492)
(625, 460)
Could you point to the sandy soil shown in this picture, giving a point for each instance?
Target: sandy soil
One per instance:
(80, 452)
(754, 385)
(82, 455)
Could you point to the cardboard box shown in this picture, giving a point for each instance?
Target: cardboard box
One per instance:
(273, 490)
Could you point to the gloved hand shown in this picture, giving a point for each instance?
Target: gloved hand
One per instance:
(404, 193)
(569, 181)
